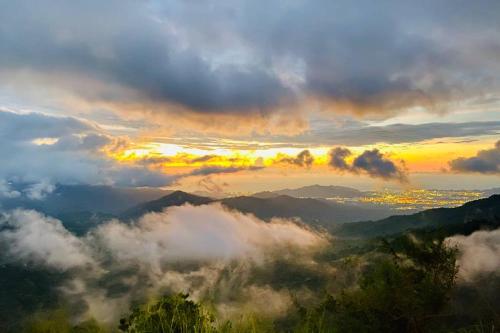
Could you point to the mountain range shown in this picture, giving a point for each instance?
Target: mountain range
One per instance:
(313, 191)
(311, 211)
(82, 207)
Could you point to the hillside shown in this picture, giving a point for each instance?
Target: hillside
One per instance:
(311, 211)
(487, 209)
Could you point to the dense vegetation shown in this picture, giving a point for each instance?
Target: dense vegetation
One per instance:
(408, 287)
(404, 282)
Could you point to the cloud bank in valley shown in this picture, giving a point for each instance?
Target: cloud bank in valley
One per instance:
(208, 232)
(479, 253)
(37, 239)
(192, 249)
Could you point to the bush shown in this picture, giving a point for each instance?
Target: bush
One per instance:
(169, 314)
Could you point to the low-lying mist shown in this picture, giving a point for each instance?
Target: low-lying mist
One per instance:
(208, 251)
(479, 254)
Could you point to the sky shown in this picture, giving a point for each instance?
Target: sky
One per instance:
(243, 96)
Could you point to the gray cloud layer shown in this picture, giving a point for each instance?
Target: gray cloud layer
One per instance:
(250, 55)
(486, 161)
(360, 134)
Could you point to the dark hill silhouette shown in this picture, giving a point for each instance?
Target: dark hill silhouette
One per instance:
(311, 211)
(486, 210)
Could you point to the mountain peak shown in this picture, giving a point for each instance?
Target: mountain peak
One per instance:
(176, 198)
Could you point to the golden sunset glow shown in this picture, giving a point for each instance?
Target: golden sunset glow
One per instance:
(421, 157)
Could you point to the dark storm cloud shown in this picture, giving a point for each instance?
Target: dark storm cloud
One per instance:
(375, 164)
(486, 161)
(73, 159)
(338, 156)
(372, 162)
(120, 43)
(252, 55)
(303, 159)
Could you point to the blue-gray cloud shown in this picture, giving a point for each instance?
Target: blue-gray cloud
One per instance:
(73, 159)
(30, 126)
(371, 162)
(486, 161)
(234, 56)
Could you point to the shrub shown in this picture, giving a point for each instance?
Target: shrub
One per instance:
(169, 314)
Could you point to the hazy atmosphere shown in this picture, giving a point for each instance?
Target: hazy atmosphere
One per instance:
(249, 166)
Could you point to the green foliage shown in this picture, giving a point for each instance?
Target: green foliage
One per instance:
(169, 314)
(24, 291)
(57, 321)
(406, 292)
(53, 322)
(248, 323)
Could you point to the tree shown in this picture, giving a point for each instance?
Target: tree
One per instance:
(405, 291)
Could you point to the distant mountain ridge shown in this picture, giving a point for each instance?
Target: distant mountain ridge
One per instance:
(314, 191)
(311, 211)
(487, 209)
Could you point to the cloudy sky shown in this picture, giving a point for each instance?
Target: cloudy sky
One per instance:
(250, 95)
